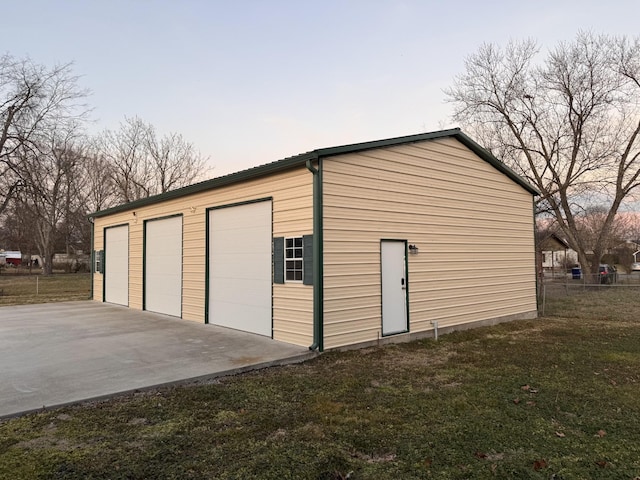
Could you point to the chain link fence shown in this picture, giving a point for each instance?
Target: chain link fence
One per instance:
(575, 282)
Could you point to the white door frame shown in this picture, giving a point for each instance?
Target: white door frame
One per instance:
(394, 284)
(108, 263)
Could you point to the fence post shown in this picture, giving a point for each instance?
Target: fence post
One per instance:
(544, 298)
(37, 285)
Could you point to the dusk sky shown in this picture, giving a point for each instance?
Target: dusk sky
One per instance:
(250, 82)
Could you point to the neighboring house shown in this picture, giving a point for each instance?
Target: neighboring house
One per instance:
(376, 241)
(623, 255)
(556, 254)
(71, 258)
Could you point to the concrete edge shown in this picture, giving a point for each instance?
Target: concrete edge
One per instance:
(200, 379)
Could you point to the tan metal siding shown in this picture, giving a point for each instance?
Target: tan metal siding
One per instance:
(294, 311)
(472, 224)
(292, 194)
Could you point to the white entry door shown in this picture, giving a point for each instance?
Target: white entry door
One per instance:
(394, 287)
(116, 265)
(163, 266)
(240, 267)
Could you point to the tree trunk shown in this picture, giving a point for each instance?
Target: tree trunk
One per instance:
(585, 266)
(47, 260)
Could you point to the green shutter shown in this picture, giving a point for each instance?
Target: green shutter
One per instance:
(278, 260)
(307, 256)
(101, 257)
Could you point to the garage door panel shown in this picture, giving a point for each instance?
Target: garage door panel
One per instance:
(240, 241)
(159, 264)
(240, 267)
(163, 266)
(230, 310)
(228, 266)
(235, 291)
(163, 285)
(116, 265)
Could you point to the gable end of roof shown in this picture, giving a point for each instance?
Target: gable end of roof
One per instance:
(300, 160)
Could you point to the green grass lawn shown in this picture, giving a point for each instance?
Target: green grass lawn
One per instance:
(557, 398)
(18, 289)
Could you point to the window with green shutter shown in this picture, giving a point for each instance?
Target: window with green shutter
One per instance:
(98, 261)
(293, 259)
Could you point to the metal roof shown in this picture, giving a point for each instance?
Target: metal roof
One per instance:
(298, 160)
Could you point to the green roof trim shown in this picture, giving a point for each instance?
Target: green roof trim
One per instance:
(300, 160)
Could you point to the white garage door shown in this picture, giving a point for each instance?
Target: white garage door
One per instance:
(240, 267)
(116, 265)
(163, 266)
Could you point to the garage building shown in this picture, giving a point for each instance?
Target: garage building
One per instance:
(377, 241)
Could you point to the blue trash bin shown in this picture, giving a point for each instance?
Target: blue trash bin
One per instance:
(576, 273)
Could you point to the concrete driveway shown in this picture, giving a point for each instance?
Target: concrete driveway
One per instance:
(58, 353)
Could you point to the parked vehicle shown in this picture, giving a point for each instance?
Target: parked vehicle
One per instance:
(11, 258)
(608, 274)
(635, 267)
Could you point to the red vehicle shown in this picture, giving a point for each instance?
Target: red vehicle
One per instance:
(608, 274)
(12, 258)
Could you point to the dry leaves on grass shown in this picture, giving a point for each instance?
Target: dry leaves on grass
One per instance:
(385, 457)
(528, 388)
(539, 464)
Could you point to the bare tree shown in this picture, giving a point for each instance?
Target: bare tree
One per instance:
(632, 222)
(33, 99)
(97, 190)
(141, 164)
(591, 228)
(175, 161)
(50, 192)
(569, 124)
(17, 229)
(125, 151)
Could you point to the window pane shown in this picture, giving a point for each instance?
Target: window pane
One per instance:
(293, 259)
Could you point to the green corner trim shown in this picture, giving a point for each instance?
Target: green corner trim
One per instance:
(93, 256)
(535, 254)
(318, 254)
